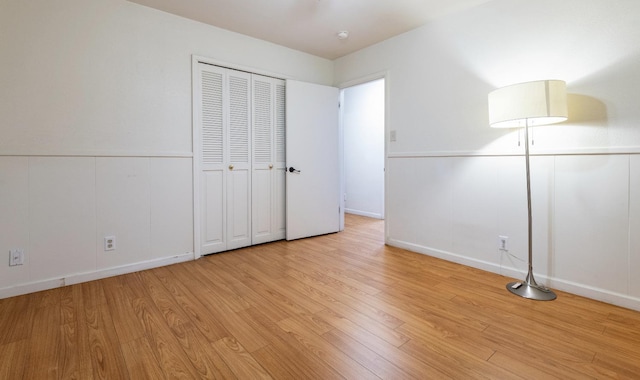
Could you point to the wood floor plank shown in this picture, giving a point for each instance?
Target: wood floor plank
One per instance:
(218, 309)
(338, 299)
(295, 358)
(103, 344)
(232, 276)
(623, 337)
(141, 361)
(173, 315)
(344, 365)
(190, 303)
(93, 293)
(67, 303)
(45, 343)
(338, 306)
(164, 344)
(204, 358)
(274, 296)
(120, 300)
(270, 358)
(377, 335)
(367, 357)
(296, 298)
(378, 344)
(17, 319)
(13, 357)
(69, 361)
(521, 368)
(212, 281)
(465, 340)
(453, 363)
(243, 365)
(78, 349)
(46, 298)
(540, 365)
(623, 366)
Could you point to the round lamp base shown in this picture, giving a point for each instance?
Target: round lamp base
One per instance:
(532, 292)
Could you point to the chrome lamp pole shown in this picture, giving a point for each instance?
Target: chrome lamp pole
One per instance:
(530, 288)
(530, 103)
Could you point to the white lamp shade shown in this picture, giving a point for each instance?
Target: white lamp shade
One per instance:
(538, 103)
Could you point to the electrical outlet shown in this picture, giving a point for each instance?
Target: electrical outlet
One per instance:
(503, 243)
(16, 257)
(109, 243)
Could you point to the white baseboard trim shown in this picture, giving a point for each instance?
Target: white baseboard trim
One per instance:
(582, 290)
(363, 213)
(36, 286)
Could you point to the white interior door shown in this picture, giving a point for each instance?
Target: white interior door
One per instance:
(312, 185)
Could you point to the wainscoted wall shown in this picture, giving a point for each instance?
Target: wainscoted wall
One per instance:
(95, 134)
(454, 184)
(59, 209)
(585, 208)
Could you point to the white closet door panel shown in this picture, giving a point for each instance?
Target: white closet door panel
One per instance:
(213, 218)
(238, 209)
(239, 158)
(262, 158)
(212, 115)
(262, 120)
(261, 206)
(239, 116)
(280, 120)
(268, 145)
(211, 127)
(279, 221)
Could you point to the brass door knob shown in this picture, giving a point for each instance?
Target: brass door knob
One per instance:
(230, 167)
(270, 166)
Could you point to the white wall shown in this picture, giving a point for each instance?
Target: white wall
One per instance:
(363, 124)
(95, 133)
(454, 184)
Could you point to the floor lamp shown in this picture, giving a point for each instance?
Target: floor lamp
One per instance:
(527, 105)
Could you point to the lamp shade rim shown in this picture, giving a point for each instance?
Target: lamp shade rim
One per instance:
(536, 103)
(533, 122)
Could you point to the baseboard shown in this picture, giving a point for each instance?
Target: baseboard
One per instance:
(36, 286)
(583, 290)
(363, 213)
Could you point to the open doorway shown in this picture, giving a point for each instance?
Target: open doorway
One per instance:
(363, 130)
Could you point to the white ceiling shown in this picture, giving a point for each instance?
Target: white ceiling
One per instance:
(312, 25)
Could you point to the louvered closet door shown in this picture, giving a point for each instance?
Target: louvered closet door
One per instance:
(213, 169)
(268, 172)
(225, 120)
(239, 169)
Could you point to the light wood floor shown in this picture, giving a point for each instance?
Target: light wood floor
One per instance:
(332, 307)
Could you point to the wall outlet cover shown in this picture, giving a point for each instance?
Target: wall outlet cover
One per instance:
(109, 243)
(16, 257)
(503, 243)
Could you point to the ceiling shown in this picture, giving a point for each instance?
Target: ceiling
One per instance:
(312, 25)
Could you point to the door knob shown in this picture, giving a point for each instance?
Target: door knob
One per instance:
(230, 167)
(270, 166)
(293, 170)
